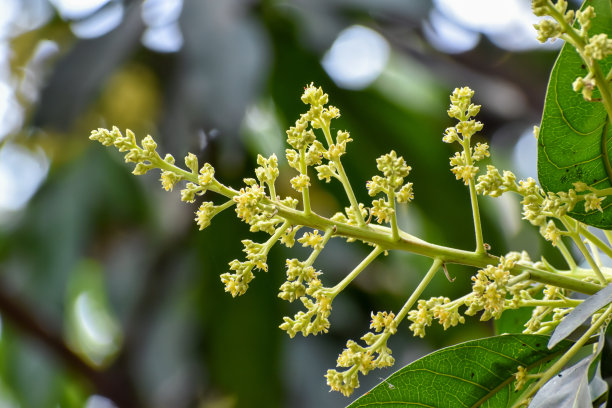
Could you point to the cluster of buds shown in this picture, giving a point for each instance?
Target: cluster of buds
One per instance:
(489, 290)
(551, 29)
(258, 205)
(574, 28)
(462, 109)
(545, 318)
(394, 170)
(440, 308)
(359, 359)
(318, 306)
(539, 207)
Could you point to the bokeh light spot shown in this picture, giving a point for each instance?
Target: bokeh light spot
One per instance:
(356, 58)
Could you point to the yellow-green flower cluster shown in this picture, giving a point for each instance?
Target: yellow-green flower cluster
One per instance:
(494, 184)
(299, 274)
(307, 151)
(540, 207)
(545, 318)
(248, 200)
(237, 283)
(489, 289)
(520, 378)
(383, 321)
(333, 154)
(204, 214)
(358, 359)
(394, 170)
(312, 239)
(146, 158)
(599, 47)
(350, 216)
(460, 165)
(440, 308)
(267, 172)
(550, 29)
(316, 319)
(462, 109)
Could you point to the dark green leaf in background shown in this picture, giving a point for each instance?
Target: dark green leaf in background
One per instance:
(571, 142)
(470, 374)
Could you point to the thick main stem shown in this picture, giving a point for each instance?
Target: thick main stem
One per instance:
(382, 237)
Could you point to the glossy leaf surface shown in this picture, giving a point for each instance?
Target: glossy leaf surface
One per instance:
(574, 143)
(470, 374)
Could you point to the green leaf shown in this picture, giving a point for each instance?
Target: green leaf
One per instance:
(573, 136)
(474, 373)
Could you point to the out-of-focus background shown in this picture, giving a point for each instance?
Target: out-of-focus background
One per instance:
(110, 296)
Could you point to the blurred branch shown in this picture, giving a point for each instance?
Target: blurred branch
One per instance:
(112, 382)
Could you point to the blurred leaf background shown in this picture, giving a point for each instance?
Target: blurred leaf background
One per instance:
(110, 296)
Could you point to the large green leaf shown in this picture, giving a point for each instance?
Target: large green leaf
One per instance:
(470, 374)
(572, 142)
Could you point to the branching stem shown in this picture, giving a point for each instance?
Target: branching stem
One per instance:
(559, 364)
(474, 200)
(575, 233)
(344, 180)
(305, 190)
(355, 272)
(416, 294)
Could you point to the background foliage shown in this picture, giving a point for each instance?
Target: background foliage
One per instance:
(106, 286)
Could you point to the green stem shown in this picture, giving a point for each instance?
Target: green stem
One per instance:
(519, 278)
(272, 190)
(394, 227)
(474, 199)
(604, 89)
(559, 364)
(571, 263)
(277, 234)
(355, 272)
(550, 303)
(214, 186)
(305, 190)
(608, 235)
(344, 180)
(381, 236)
(224, 206)
(574, 38)
(575, 235)
(416, 294)
(315, 253)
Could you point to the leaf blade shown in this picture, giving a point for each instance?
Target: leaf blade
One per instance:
(468, 374)
(574, 143)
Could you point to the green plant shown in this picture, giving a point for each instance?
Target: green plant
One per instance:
(576, 177)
